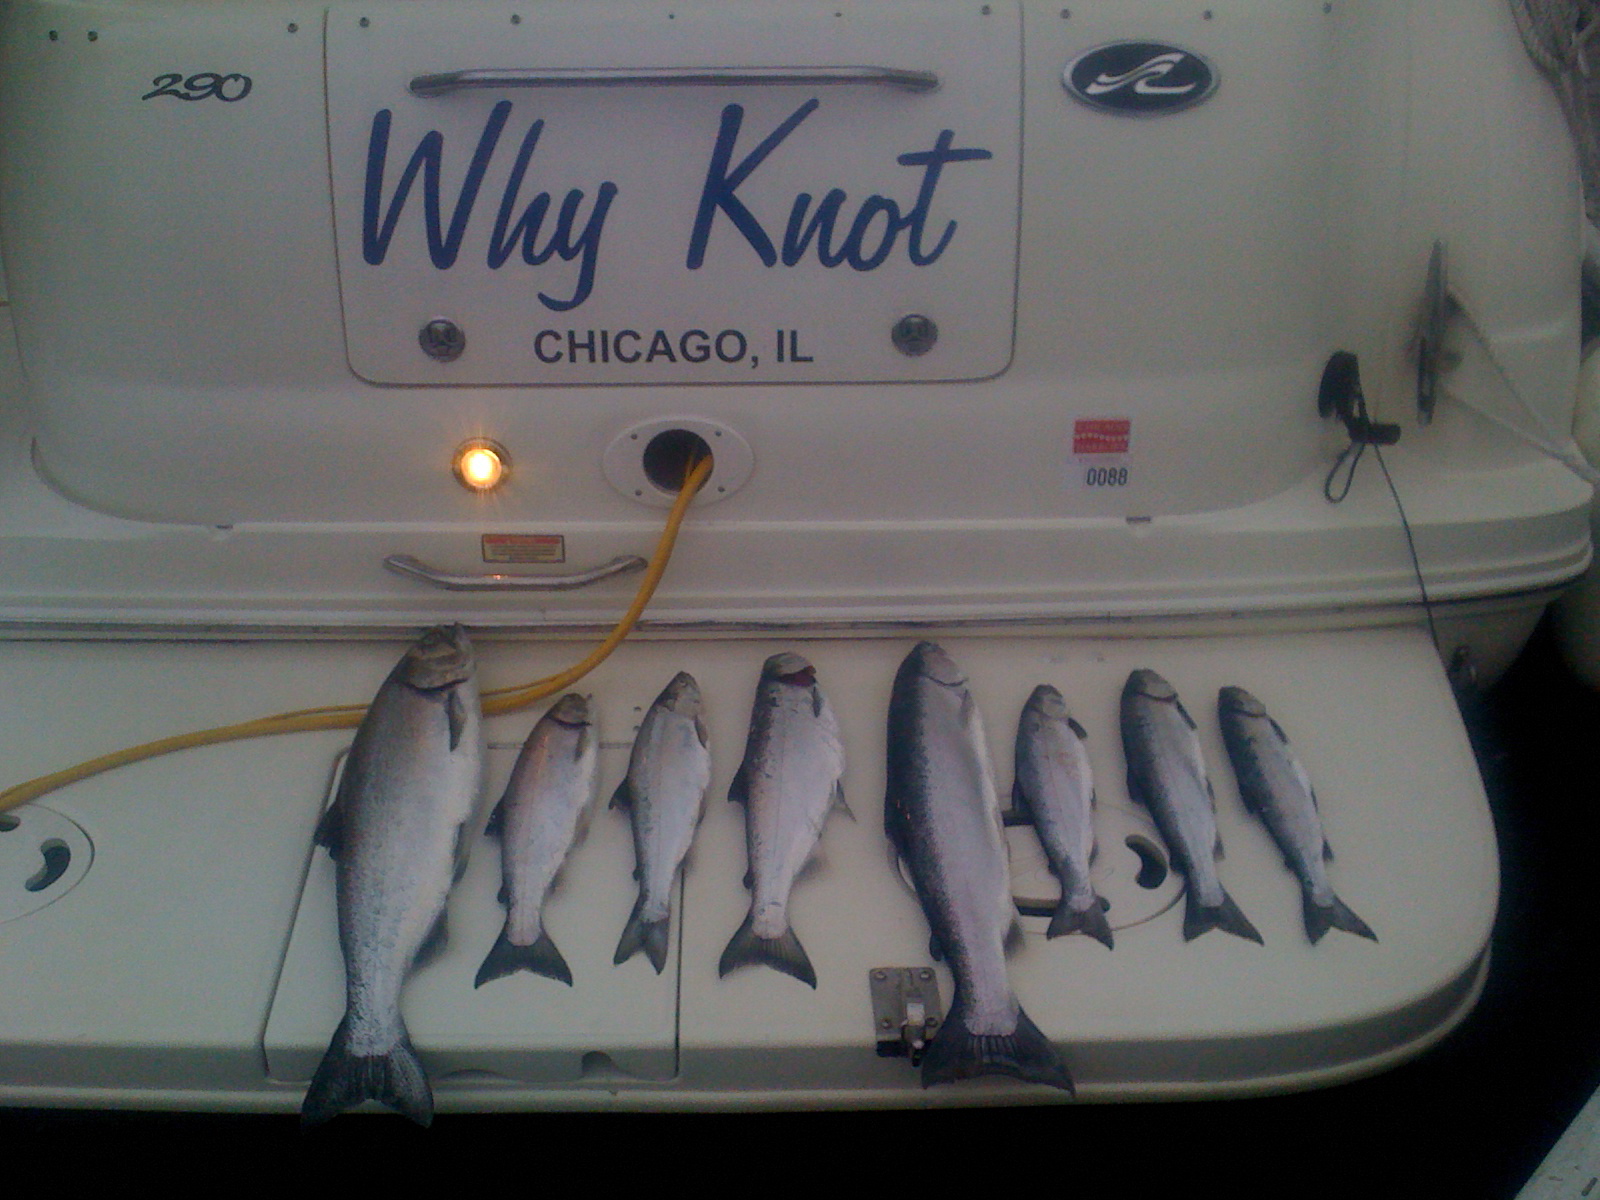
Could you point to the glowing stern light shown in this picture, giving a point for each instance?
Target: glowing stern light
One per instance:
(481, 464)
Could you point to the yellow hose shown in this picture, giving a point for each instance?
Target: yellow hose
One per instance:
(348, 716)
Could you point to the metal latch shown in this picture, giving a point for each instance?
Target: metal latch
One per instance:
(906, 1010)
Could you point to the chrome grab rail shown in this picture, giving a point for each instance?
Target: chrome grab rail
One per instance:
(554, 77)
(414, 568)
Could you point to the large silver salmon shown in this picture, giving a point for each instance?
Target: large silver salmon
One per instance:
(788, 783)
(1167, 774)
(943, 817)
(664, 793)
(1054, 788)
(398, 829)
(541, 817)
(1277, 789)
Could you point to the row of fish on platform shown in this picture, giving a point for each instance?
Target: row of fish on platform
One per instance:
(942, 814)
(402, 821)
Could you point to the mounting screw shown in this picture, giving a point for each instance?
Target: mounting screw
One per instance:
(914, 334)
(442, 340)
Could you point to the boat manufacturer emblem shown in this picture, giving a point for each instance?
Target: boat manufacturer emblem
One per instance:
(1142, 79)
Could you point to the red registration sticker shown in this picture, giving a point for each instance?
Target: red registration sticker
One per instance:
(1101, 435)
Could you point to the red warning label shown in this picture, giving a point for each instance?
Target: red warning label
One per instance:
(524, 548)
(1101, 435)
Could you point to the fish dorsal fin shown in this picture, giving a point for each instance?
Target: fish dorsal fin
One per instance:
(1217, 850)
(623, 796)
(814, 864)
(972, 722)
(460, 852)
(1073, 725)
(1327, 850)
(456, 714)
(817, 702)
(902, 870)
(894, 859)
(1021, 812)
(739, 789)
(1305, 780)
(700, 732)
(434, 944)
(839, 801)
(330, 828)
(495, 826)
(934, 948)
(1014, 936)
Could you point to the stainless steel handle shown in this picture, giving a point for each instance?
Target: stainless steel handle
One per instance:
(406, 564)
(556, 77)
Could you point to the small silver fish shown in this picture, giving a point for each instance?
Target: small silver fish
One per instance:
(541, 817)
(1276, 788)
(943, 817)
(1054, 788)
(1167, 774)
(398, 829)
(664, 793)
(788, 783)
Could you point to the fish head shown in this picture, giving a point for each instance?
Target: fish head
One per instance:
(1144, 682)
(1237, 700)
(440, 658)
(681, 696)
(572, 709)
(930, 661)
(790, 668)
(1047, 703)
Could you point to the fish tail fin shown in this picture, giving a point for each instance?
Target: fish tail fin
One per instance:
(505, 957)
(782, 953)
(1334, 915)
(343, 1080)
(1091, 921)
(1199, 918)
(649, 936)
(1025, 1053)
